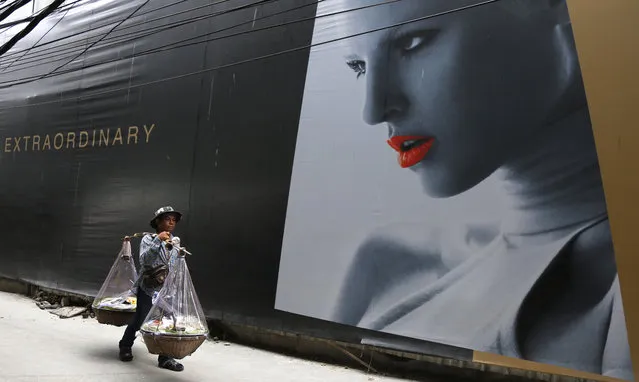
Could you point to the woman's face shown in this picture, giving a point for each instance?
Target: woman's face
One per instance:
(465, 93)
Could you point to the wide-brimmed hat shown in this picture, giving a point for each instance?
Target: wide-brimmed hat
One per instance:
(164, 211)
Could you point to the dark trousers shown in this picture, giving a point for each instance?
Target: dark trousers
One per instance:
(145, 303)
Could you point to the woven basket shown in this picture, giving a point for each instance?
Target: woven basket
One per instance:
(114, 317)
(172, 346)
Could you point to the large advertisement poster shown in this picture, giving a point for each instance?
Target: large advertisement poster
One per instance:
(446, 185)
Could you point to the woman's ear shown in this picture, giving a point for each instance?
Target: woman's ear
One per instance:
(566, 41)
(571, 82)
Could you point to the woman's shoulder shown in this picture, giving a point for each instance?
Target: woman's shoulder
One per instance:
(595, 239)
(445, 244)
(592, 257)
(392, 255)
(392, 252)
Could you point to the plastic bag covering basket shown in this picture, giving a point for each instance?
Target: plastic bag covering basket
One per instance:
(115, 303)
(175, 325)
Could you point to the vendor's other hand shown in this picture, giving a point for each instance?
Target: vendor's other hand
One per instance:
(164, 236)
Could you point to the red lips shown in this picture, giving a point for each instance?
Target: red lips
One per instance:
(411, 149)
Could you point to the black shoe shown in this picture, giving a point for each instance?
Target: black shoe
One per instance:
(171, 364)
(126, 355)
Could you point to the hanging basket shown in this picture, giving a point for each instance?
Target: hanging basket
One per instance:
(114, 317)
(115, 303)
(172, 346)
(175, 326)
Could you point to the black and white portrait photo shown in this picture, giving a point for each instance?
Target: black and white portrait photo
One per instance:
(446, 185)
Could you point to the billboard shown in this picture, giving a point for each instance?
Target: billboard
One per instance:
(419, 175)
(446, 185)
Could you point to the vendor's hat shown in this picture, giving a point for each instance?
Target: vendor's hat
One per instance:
(163, 211)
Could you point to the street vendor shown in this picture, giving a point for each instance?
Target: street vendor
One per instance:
(156, 259)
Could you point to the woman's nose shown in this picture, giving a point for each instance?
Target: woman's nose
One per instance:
(385, 101)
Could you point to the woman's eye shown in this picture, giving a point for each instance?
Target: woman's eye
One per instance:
(415, 41)
(357, 66)
(411, 43)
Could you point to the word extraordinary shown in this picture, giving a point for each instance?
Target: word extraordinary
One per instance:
(79, 139)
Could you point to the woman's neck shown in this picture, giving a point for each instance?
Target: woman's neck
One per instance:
(557, 185)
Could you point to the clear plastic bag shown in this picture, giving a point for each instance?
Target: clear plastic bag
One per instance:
(116, 292)
(177, 310)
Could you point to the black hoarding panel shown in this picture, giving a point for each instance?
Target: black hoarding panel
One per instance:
(89, 151)
(125, 106)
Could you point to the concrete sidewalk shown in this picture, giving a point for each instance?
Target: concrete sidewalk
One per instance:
(38, 346)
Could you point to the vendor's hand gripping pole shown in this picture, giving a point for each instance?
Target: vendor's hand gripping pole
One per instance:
(174, 242)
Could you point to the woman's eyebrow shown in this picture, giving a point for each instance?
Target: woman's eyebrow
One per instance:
(352, 57)
(403, 31)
